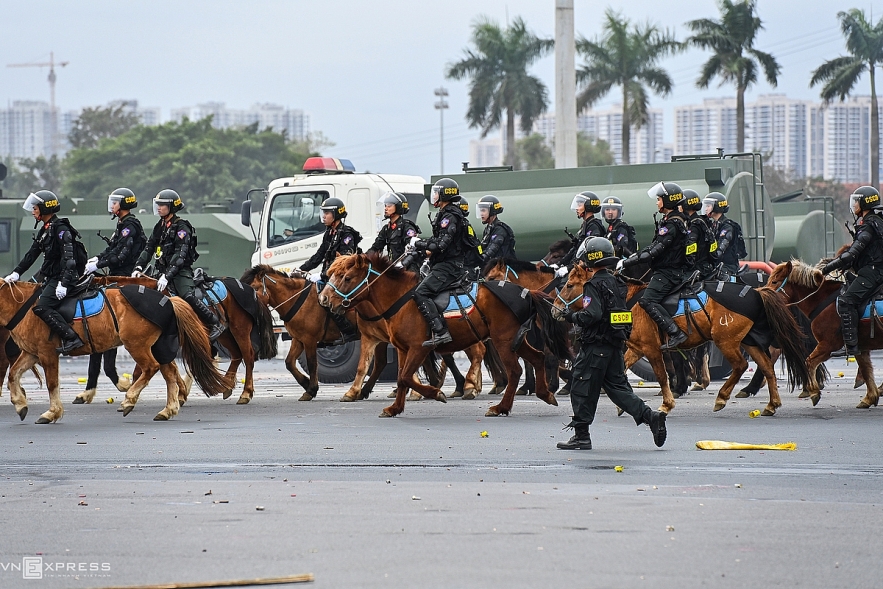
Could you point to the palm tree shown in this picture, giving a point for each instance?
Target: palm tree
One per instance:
(498, 68)
(734, 58)
(625, 55)
(864, 41)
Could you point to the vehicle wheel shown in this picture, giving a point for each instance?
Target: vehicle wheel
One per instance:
(643, 370)
(338, 364)
(721, 372)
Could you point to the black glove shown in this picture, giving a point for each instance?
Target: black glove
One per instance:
(831, 266)
(421, 244)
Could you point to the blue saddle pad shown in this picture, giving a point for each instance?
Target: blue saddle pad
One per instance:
(465, 301)
(216, 294)
(866, 314)
(694, 303)
(93, 306)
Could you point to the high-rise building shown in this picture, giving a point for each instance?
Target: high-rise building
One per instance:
(703, 128)
(843, 131)
(486, 152)
(293, 122)
(27, 130)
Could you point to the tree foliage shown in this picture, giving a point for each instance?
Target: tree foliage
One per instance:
(204, 164)
(534, 154)
(500, 81)
(592, 152)
(95, 124)
(29, 175)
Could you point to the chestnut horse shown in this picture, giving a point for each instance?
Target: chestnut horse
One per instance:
(118, 323)
(727, 328)
(236, 339)
(805, 287)
(370, 285)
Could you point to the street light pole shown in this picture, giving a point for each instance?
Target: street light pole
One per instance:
(440, 106)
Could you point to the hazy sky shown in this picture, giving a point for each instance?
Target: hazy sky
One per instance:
(364, 71)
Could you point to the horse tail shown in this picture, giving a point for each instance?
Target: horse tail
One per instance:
(822, 375)
(431, 369)
(554, 332)
(267, 350)
(196, 349)
(493, 363)
(784, 327)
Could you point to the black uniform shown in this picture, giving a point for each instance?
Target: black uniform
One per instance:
(592, 227)
(498, 241)
(124, 248)
(622, 236)
(667, 257)
(343, 240)
(599, 363)
(395, 236)
(447, 252)
(702, 245)
(730, 244)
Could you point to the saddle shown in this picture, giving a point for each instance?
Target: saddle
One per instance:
(81, 301)
(692, 296)
(458, 301)
(209, 289)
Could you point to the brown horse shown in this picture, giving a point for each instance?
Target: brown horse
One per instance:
(727, 328)
(369, 284)
(236, 339)
(805, 287)
(118, 323)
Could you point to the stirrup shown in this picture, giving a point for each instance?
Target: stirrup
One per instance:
(674, 341)
(215, 331)
(69, 345)
(438, 339)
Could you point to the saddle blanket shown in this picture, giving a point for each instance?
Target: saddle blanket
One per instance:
(93, 304)
(215, 294)
(695, 302)
(452, 310)
(878, 310)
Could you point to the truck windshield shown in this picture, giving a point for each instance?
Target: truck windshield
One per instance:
(295, 216)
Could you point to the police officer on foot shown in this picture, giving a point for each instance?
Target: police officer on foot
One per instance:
(620, 233)
(172, 244)
(586, 205)
(339, 238)
(730, 243)
(865, 257)
(667, 258)
(55, 240)
(701, 243)
(398, 232)
(606, 325)
(446, 249)
(498, 240)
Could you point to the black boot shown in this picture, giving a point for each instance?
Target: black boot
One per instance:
(658, 314)
(580, 440)
(656, 421)
(348, 331)
(70, 341)
(215, 329)
(440, 334)
(849, 326)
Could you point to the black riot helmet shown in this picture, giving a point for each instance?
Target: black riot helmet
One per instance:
(715, 202)
(45, 200)
(670, 193)
(691, 200)
(596, 252)
(464, 205)
(335, 205)
(399, 200)
(611, 203)
(491, 204)
(167, 197)
(588, 198)
(445, 190)
(868, 198)
(125, 197)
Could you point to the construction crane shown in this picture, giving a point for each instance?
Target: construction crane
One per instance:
(51, 65)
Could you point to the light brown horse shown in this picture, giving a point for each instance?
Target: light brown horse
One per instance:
(117, 324)
(236, 338)
(805, 287)
(727, 328)
(369, 284)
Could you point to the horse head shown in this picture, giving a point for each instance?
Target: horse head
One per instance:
(570, 297)
(271, 285)
(347, 276)
(794, 274)
(557, 251)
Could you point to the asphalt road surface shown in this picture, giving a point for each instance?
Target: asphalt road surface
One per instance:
(280, 487)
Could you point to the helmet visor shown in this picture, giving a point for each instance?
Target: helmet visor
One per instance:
(611, 207)
(854, 199)
(159, 203)
(433, 198)
(708, 205)
(657, 190)
(578, 200)
(112, 199)
(31, 201)
(385, 200)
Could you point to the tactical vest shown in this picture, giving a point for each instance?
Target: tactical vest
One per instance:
(675, 255)
(873, 253)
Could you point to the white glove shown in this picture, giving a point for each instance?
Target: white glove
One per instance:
(91, 267)
(563, 271)
(60, 292)
(398, 265)
(137, 272)
(12, 278)
(162, 283)
(95, 259)
(314, 278)
(414, 240)
(619, 265)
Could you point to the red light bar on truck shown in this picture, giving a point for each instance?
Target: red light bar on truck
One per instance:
(328, 165)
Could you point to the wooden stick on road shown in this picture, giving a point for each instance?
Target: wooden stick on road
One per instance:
(307, 578)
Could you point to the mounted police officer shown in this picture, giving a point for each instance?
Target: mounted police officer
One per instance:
(586, 205)
(701, 242)
(606, 324)
(446, 249)
(498, 240)
(620, 233)
(172, 245)
(128, 239)
(399, 232)
(730, 242)
(865, 257)
(56, 241)
(667, 258)
(339, 239)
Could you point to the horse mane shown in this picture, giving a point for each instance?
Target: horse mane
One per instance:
(630, 280)
(259, 271)
(379, 262)
(514, 264)
(562, 245)
(804, 274)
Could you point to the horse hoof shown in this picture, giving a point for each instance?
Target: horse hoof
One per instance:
(743, 394)
(457, 394)
(43, 421)
(697, 387)
(767, 412)
(347, 399)
(127, 410)
(718, 405)
(227, 394)
(551, 400)
(79, 401)
(392, 395)
(815, 399)
(160, 417)
(470, 395)
(563, 392)
(306, 397)
(440, 397)
(243, 400)
(22, 413)
(492, 412)
(119, 409)
(415, 396)
(804, 394)
(865, 404)
(387, 413)
(364, 396)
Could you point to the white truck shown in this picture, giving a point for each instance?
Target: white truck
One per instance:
(289, 230)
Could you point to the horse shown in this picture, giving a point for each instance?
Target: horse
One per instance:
(369, 284)
(247, 337)
(117, 323)
(804, 287)
(727, 328)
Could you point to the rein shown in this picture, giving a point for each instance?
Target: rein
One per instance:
(347, 301)
(294, 308)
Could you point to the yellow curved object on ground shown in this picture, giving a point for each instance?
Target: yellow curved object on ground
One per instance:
(718, 445)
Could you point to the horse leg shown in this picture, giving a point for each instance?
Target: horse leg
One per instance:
(367, 353)
(732, 351)
(552, 371)
(17, 394)
(704, 376)
(413, 359)
(654, 356)
(537, 360)
(820, 354)
(91, 380)
(767, 365)
(530, 383)
(170, 375)
(50, 368)
(472, 386)
(492, 362)
(148, 366)
(513, 371)
(380, 351)
(183, 391)
(866, 369)
(448, 363)
(248, 356)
